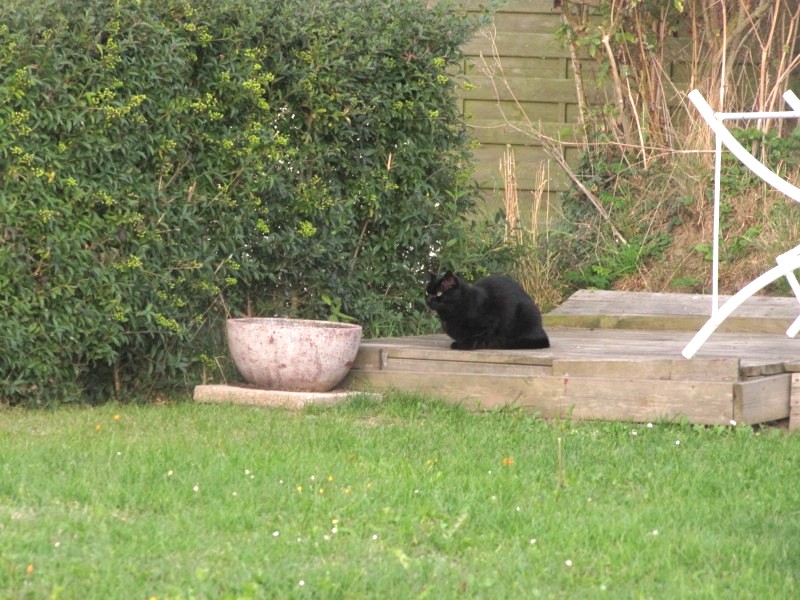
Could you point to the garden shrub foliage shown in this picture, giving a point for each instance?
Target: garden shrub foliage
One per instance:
(167, 163)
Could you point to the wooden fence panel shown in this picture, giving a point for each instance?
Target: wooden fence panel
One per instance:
(523, 78)
(522, 74)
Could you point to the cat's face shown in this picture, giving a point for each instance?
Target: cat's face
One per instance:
(441, 291)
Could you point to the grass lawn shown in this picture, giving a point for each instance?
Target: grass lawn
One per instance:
(405, 498)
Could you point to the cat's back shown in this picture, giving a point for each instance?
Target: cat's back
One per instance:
(498, 286)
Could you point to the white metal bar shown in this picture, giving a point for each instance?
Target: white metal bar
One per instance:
(792, 100)
(734, 302)
(781, 114)
(794, 103)
(790, 256)
(717, 233)
(787, 262)
(794, 328)
(732, 144)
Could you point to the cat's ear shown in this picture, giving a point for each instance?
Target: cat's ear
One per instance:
(449, 281)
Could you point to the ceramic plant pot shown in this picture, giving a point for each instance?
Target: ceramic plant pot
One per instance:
(294, 355)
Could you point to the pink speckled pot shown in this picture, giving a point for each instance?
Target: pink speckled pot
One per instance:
(293, 355)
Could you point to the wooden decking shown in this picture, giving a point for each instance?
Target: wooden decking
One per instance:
(613, 356)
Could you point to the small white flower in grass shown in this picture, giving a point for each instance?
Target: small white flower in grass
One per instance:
(634, 432)
(568, 563)
(234, 494)
(733, 422)
(334, 529)
(276, 534)
(374, 536)
(196, 488)
(655, 532)
(170, 473)
(649, 425)
(533, 541)
(677, 442)
(301, 583)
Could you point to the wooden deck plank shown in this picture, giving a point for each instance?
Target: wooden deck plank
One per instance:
(444, 353)
(759, 354)
(566, 397)
(762, 400)
(714, 369)
(421, 365)
(659, 311)
(733, 324)
(605, 302)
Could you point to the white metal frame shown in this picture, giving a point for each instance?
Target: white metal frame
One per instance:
(787, 262)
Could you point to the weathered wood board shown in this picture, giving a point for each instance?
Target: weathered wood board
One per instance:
(678, 312)
(794, 402)
(762, 399)
(612, 358)
(568, 397)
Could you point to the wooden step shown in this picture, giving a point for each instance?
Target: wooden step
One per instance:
(604, 309)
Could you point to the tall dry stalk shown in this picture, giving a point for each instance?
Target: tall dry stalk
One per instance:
(508, 169)
(541, 200)
(773, 79)
(535, 267)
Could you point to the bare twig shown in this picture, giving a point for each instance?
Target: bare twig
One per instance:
(562, 162)
(618, 97)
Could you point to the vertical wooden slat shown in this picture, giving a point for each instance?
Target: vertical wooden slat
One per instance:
(794, 402)
(762, 399)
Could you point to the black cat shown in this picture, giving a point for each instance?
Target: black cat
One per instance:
(493, 312)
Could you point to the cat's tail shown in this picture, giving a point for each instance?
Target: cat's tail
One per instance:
(536, 342)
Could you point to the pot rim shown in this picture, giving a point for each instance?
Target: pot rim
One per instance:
(292, 322)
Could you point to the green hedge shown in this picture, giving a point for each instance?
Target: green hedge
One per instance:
(166, 164)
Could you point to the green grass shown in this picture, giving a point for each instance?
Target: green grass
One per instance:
(401, 499)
